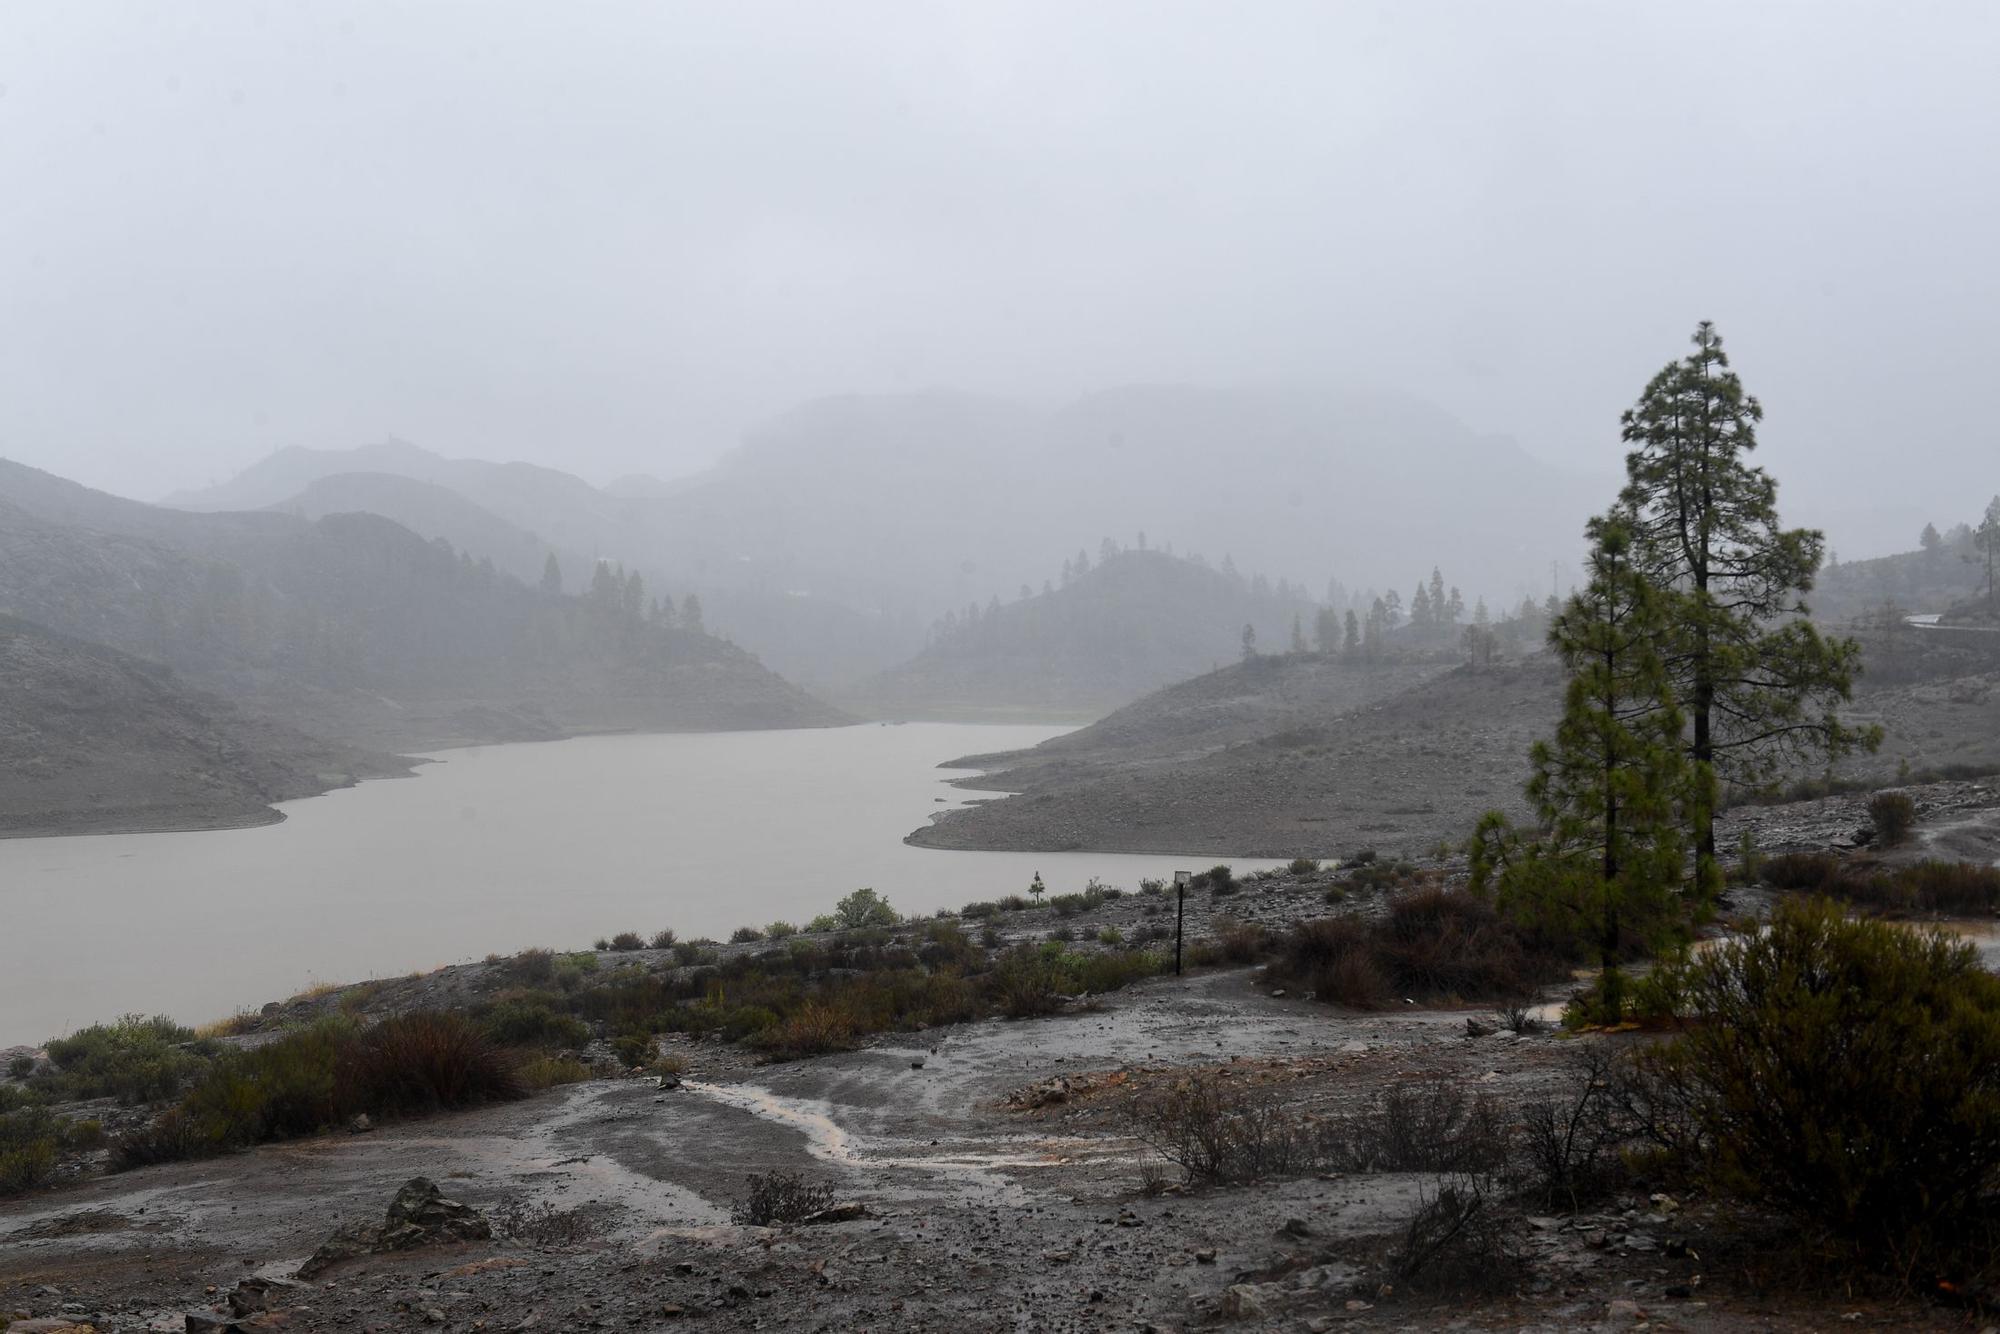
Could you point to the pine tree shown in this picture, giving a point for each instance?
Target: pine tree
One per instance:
(691, 614)
(1759, 683)
(1929, 540)
(1420, 609)
(1437, 599)
(1986, 541)
(1298, 635)
(551, 575)
(1326, 630)
(1611, 787)
(1351, 637)
(1249, 641)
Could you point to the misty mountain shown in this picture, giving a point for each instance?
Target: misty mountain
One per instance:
(431, 511)
(1130, 623)
(897, 509)
(353, 626)
(94, 740)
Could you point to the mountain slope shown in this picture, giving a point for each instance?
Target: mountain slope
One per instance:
(1245, 765)
(897, 508)
(355, 627)
(1133, 622)
(94, 740)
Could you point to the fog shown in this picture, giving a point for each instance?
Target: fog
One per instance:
(613, 238)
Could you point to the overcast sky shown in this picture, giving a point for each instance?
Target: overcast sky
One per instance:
(611, 236)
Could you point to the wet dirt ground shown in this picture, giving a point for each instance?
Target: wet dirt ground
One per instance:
(982, 1215)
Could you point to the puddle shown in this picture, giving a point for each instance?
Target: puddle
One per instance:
(980, 1171)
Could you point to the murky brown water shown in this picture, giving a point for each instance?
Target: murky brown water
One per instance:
(498, 848)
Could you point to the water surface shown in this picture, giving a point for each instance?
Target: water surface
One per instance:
(496, 848)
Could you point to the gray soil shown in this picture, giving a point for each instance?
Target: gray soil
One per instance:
(1314, 757)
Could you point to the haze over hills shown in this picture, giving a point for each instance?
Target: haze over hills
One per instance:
(1130, 623)
(832, 537)
(352, 626)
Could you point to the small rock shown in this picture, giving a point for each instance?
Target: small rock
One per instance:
(839, 1213)
(1205, 1257)
(1623, 1310)
(360, 1125)
(1296, 1227)
(1245, 1301)
(1679, 1292)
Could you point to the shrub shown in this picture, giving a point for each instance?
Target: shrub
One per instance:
(864, 907)
(134, 1060)
(626, 941)
(780, 1198)
(21, 1066)
(601, 944)
(29, 1137)
(664, 940)
(1219, 880)
(688, 953)
(1240, 942)
(1894, 815)
(1303, 865)
(544, 1224)
(1218, 1135)
(1110, 935)
(780, 930)
(745, 935)
(1333, 957)
(521, 1022)
(980, 910)
(633, 1048)
(1927, 886)
(1848, 1073)
(1801, 870)
(425, 1062)
(534, 965)
(544, 1072)
(1063, 934)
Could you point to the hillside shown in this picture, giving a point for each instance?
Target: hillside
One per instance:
(430, 511)
(830, 538)
(1133, 622)
(354, 627)
(1317, 757)
(1250, 772)
(93, 740)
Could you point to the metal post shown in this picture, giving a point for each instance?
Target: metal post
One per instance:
(1180, 915)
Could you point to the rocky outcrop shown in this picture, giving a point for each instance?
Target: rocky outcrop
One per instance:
(418, 1216)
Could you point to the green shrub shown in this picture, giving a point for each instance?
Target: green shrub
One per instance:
(1219, 880)
(1110, 935)
(979, 910)
(663, 940)
(633, 1048)
(29, 1137)
(522, 1022)
(1894, 815)
(626, 941)
(864, 907)
(21, 1066)
(1304, 865)
(134, 1060)
(745, 935)
(1812, 871)
(779, 930)
(1848, 1073)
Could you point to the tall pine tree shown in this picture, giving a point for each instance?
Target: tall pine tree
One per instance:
(1759, 683)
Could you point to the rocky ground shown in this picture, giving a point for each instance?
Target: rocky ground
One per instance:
(984, 1210)
(1231, 766)
(1001, 1179)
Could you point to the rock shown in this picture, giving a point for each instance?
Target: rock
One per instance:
(917, 1064)
(360, 1125)
(1205, 1257)
(200, 1322)
(1296, 1227)
(418, 1216)
(1247, 1301)
(1623, 1311)
(1475, 1029)
(839, 1213)
(1679, 1292)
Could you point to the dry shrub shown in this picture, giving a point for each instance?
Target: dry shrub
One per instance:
(1241, 942)
(1218, 1135)
(1459, 1240)
(1801, 870)
(1894, 815)
(1440, 942)
(1429, 1125)
(543, 1072)
(817, 1026)
(423, 1062)
(544, 1224)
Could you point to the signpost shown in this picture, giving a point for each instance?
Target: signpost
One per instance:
(1181, 879)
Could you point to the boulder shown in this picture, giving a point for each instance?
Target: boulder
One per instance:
(418, 1216)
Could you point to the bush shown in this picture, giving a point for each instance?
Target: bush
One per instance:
(1927, 886)
(1303, 865)
(626, 941)
(425, 1062)
(1240, 942)
(1848, 1073)
(1110, 935)
(521, 1022)
(745, 935)
(1219, 880)
(534, 965)
(21, 1066)
(780, 930)
(134, 1060)
(864, 907)
(664, 940)
(780, 1198)
(1894, 815)
(1218, 1135)
(633, 1049)
(544, 1072)
(1812, 871)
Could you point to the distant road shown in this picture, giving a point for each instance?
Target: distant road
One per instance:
(1929, 621)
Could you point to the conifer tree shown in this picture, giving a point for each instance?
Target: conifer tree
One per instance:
(1420, 609)
(1758, 681)
(1249, 641)
(1351, 638)
(1611, 787)
(1986, 541)
(1298, 635)
(551, 575)
(691, 614)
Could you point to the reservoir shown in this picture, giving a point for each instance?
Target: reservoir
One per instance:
(495, 849)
